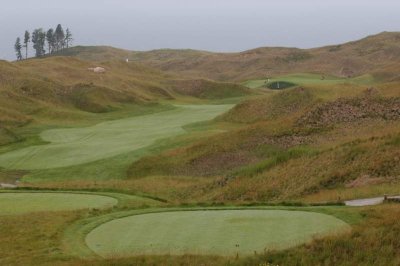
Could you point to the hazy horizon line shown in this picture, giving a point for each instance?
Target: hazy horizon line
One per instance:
(224, 52)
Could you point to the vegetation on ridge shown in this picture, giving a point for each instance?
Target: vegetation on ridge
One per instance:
(136, 137)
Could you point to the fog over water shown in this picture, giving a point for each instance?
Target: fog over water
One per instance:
(215, 25)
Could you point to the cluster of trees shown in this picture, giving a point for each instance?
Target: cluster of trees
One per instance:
(50, 41)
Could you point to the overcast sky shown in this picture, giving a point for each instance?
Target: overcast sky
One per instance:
(216, 25)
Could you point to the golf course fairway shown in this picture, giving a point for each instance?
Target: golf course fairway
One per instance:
(212, 232)
(20, 203)
(72, 146)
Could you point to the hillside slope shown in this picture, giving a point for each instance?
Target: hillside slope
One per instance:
(295, 144)
(378, 54)
(61, 90)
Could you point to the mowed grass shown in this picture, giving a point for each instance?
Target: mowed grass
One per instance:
(303, 79)
(21, 203)
(211, 232)
(74, 146)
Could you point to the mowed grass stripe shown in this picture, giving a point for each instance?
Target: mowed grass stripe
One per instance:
(75, 146)
(223, 232)
(25, 202)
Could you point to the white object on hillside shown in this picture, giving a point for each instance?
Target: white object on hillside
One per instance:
(371, 201)
(4, 185)
(365, 202)
(97, 69)
(127, 60)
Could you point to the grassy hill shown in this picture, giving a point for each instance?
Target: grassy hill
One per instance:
(106, 53)
(96, 53)
(61, 90)
(157, 139)
(268, 135)
(378, 55)
(295, 144)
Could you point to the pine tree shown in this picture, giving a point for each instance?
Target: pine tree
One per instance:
(18, 47)
(27, 39)
(60, 37)
(39, 42)
(68, 38)
(42, 42)
(50, 37)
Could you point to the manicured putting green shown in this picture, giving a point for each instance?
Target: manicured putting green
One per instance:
(222, 232)
(19, 203)
(280, 85)
(304, 79)
(82, 145)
